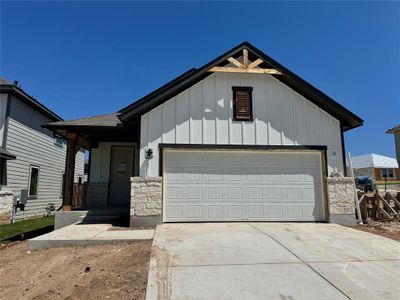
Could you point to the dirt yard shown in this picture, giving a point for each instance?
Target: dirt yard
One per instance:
(390, 230)
(116, 271)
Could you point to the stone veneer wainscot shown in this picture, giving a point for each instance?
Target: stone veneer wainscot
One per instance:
(6, 206)
(146, 195)
(341, 196)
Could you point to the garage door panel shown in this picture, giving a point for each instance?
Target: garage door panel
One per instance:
(174, 211)
(215, 193)
(175, 193)
(235, 211)
(215, 212)
(194, 211)
(195, 193)
(235, 186)
(234, 193)
(214, 175)
(254, 193)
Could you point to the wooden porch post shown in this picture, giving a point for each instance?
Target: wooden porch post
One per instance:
(72, 146)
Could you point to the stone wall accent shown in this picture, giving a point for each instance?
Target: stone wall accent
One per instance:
(6, 206)
(146, 196)
(341, 195)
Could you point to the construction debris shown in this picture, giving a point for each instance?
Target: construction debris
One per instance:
(377, 206)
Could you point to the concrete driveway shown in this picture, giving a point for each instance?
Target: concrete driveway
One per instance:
(272, 261)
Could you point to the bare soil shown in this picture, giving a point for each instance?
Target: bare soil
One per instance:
(117, 271)
(387, 229)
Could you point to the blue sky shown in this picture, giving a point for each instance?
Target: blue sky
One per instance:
(87, 58)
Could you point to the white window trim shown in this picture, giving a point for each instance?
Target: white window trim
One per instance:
(58, 144)
(387, 172)
(29, 181)
(62, 183)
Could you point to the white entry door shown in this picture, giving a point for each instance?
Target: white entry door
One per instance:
(232, 185)
(121, 170)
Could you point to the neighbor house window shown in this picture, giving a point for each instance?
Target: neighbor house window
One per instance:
(3, 171)
(242, 103)
(62, 187)
(58, 141)
(387, 173)
(33, 181)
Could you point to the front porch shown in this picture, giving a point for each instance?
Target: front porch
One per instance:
(113, 161)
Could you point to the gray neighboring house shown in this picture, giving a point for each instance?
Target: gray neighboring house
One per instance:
(241, 138)
(396, 132)
(31, 157)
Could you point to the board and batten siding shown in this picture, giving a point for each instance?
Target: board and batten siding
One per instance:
(203, 114)
(34, 145)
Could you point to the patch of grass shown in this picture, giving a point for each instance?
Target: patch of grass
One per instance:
(388, 182)
(11, 231)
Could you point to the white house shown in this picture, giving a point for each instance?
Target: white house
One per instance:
(31, 158)
(380, 168)
(240, 139)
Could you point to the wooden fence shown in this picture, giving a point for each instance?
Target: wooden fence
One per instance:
(79, 195)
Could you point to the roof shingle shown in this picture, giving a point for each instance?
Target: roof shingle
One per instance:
(107, 120)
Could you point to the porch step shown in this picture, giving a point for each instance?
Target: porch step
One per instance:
(107, 211)
(87, 234)
(112, 215)
(96, 219)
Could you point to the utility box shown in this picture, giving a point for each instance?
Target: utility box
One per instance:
(22, 199)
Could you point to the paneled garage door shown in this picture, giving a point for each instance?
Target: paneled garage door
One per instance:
(236, 185)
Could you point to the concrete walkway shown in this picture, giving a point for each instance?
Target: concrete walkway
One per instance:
(272, 261)
(87, 234)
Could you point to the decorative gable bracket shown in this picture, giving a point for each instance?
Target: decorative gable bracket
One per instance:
(245, 66)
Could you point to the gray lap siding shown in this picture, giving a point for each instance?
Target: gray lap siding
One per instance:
(35, 146)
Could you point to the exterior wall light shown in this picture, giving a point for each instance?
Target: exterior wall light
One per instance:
(149, 153)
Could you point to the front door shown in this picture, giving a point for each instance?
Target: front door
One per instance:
(121, 170)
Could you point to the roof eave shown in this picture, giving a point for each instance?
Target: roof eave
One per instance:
(20, 93)
(186, 79)
(81, 127)
(393, 130)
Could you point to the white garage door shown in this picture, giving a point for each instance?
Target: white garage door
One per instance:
(232, 185)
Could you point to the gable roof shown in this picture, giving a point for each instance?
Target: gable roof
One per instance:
(13, 89)
(347, 118)
(373, 160)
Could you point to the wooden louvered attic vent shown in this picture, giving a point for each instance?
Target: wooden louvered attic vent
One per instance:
(242, 103)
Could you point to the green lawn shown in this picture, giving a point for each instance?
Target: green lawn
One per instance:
(9, 231)
(388, 183)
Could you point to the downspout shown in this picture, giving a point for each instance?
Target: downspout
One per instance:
(343, 151)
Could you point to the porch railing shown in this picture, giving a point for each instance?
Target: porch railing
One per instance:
(79, 195)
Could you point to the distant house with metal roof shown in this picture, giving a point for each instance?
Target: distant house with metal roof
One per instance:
(377, 167)
(396, 132)
(32, 159)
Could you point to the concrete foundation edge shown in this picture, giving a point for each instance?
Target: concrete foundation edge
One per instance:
(40, 244)
(344, 219)
(65, 218)
(145, 221)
